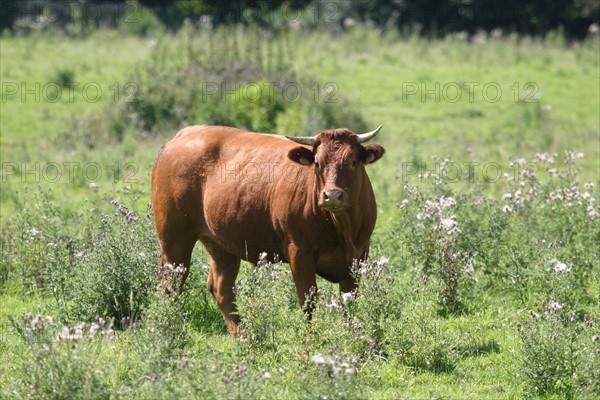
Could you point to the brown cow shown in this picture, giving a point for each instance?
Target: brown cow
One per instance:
(242, 193)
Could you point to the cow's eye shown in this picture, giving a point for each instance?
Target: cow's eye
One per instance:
(354, 163)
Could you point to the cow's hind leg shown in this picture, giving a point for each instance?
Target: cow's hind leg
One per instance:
(348, 285)
(175, 262)
(224, 268)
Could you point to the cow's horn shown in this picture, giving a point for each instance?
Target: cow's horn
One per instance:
(364, 137)
(310, 140)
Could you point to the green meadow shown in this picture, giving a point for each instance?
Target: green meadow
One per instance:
(483, 279)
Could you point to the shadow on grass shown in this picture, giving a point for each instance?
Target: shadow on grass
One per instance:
(203, 313)
(479, 349)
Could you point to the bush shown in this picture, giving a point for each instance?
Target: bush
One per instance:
(537, 242)
(62, 362)
(185, 83)
(419, 339)
(102, 265)
(116, 271)
(267, 304)
(38, 248)
(558, 353)
(434, 240)
(142, 22)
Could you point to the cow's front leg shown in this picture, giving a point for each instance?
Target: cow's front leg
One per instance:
(348, 285)
(303, 269)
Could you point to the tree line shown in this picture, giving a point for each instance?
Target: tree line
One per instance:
(433, 18)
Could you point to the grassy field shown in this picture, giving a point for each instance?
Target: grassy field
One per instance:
(484, 279)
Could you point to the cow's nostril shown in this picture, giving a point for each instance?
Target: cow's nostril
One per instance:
(333, 196)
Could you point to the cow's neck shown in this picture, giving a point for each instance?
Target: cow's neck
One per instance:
(346, 225)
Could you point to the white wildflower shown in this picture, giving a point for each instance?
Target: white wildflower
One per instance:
(334, 304)
(362, 267)
(560, 267)
(469, 268)
(35, 234)
(446, 202)
(534, 315)
(78, 335)
(592, 214)
(556, 195)
(346, 297)
(545, 156)
(318, 359)
(571, 156)
(555, 306)
(383, 262)
(518, 161)
(94, 329)
(65, 334)
(449, 225)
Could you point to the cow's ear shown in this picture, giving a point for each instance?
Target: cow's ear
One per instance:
(301, 155)
(373, 152)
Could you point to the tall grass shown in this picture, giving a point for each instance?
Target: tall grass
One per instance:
(541, 260)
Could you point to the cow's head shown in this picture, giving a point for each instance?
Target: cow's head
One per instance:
(338, 159)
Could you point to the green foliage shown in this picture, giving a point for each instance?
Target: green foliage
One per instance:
(432, 17)
(64, 77)
(142, 22)
(434, 241)
(558, 353)
(110, 273)
(114, 275)
(105, 269)
(185, 83)
(266, 300)
(36, 245)
(61, 362)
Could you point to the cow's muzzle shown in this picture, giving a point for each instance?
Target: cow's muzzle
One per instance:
(333, 200)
